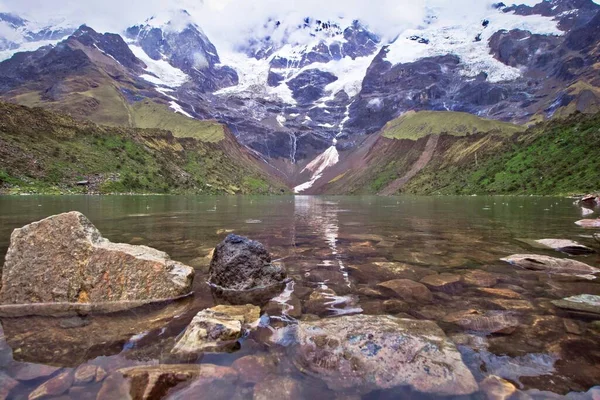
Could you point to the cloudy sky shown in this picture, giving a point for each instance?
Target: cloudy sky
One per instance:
(228, 22)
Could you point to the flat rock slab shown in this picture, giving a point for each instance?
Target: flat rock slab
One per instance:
(216, 329)
(449, 283)
(65, 259)
(369, 352)
(409, 291)
(589, 223)
(565, 246)
(584, 303)
(564, 266)
(488, 322)
(155, 381)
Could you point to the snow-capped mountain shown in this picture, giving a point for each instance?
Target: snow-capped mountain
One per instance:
(19, 34)
(307, 90)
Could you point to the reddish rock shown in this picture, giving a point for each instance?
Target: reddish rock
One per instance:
(409, 291)
(480, 278)
(506, 293)
(53, 387)
(448, 283)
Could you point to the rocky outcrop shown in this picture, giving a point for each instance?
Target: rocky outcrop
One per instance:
(65, 259)
(367, 352)
(241, 270)
(563, 266)
(216, 329)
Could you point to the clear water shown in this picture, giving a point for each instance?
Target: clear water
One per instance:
(333, 242)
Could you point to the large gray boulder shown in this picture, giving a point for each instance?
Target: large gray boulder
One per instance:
(241, 272)
(370, 352)
(65, 259)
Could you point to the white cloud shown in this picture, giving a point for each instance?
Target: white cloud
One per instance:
(231, 22)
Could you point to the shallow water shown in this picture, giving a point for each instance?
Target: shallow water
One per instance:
(341, 247)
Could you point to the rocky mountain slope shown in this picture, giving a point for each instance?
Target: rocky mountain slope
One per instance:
(45, 152)
(312, 92)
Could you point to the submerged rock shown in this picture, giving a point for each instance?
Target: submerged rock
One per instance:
(368, 352)
(488, 322)
(553, 265)
(480, 278)
(448, 283)
(565, 246)
(64, 258)
(586, 303)
(154, 381)
(242, 272)
(53, 387)
(589, 223)
(497, 388)
(409, 291)
(278, 387)
(216, 329)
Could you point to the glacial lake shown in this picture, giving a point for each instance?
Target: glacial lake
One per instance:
(346, 245)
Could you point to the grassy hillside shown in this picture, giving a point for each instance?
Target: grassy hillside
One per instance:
(44, 152)
(415, 125)
(477, 156)
(558, 157)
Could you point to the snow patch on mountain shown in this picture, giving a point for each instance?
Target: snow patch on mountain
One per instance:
(468, 39)
(160, 72)
(325, 160)
(178, 109)
(253, 75)
(28, 46)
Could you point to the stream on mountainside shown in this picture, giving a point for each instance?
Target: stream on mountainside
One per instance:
(339, 248)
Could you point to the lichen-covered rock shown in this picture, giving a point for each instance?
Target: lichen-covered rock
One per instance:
(368, 352)
(242, 264)
(64, 258)
(216, 329)
(563, 266)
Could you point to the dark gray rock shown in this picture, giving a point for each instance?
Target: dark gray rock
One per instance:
(242, 264)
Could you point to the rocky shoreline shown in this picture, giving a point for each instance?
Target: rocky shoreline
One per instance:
(67, 279)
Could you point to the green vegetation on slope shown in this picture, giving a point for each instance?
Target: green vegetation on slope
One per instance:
(43, 152)
(147, 114)
(558, 157)
(415, 125)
